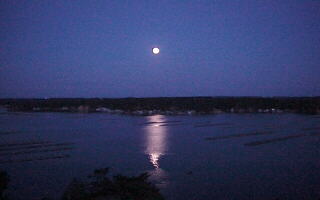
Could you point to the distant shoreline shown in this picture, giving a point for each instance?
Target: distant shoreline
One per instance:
(167, 105)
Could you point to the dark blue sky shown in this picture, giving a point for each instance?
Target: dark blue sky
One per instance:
(208, 48)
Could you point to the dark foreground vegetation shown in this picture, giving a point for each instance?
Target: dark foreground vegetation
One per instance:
(4, 180)
(99, 186)
(168, 105)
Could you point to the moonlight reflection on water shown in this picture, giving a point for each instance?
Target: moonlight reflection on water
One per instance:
(156, 137)
(156, 146)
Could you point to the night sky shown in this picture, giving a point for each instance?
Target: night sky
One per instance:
(207, 48)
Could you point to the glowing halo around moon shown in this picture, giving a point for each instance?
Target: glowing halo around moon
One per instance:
(155, 50)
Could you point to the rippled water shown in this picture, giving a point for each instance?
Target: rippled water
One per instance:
(226, 156)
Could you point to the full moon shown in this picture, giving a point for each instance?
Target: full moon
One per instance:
(155, 50)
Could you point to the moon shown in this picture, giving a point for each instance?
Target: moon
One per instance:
(155, 50)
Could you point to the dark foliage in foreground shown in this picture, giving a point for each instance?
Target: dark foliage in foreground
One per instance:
(4, 180)
(101, 187)
(118, 187)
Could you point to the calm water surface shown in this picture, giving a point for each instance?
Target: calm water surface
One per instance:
(188, 157)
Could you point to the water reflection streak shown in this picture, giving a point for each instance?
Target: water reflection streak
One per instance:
(156, 139)
(156, 147)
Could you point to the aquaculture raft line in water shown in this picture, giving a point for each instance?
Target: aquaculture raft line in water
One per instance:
(11, 152)
(256, 143)
(239, 135)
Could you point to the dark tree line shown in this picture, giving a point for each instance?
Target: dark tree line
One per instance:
(199, 104)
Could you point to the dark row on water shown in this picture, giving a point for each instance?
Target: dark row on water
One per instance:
(33, 151)
(266, 133)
